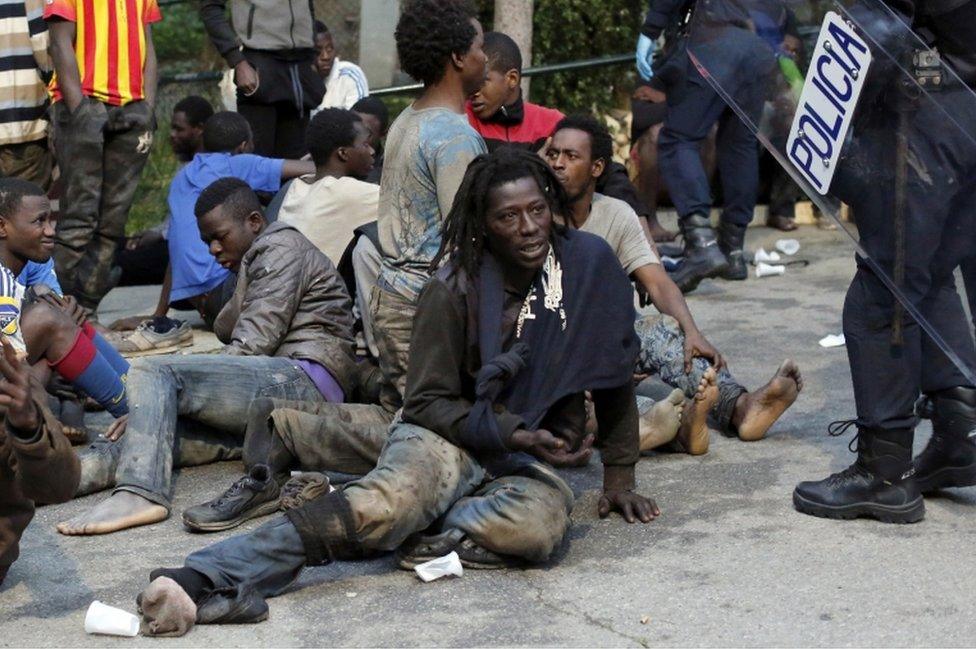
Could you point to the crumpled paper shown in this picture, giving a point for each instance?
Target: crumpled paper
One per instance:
(440, 567)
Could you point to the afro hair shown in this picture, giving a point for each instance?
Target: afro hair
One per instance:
(429, 32)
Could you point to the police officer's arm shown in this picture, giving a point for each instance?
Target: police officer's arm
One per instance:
(65, 62)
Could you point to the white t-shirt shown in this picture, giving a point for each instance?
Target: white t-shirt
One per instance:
(329, 210)
(617, 223)
(11, 305)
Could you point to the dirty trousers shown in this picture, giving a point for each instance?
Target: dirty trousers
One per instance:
(420, 477)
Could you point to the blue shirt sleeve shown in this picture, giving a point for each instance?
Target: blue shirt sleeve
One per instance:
(35, 273)
(262, 174)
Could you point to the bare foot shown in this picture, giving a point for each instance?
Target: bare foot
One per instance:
(660, 424)
(121, 510)
(166, 609)
(693, 434)
(755, 412)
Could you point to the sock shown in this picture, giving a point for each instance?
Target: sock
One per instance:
(104, 347)
(85, 368)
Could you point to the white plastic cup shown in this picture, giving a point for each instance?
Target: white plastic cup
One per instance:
(108, 620)
(449, 564)
(765, 270)
(762, 256)
(788, 246)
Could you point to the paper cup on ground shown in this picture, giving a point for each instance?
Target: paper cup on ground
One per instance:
(788, 246)
(449, 564)
(765, 270)
(108, 620)
(763, 257)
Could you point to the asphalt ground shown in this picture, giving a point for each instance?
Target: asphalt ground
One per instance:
(729, 562)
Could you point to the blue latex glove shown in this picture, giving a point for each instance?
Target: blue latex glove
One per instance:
(645, 53)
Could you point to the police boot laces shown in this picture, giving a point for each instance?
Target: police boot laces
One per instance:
(856, 470)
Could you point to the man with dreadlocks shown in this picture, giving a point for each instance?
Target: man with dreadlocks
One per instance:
(523, 317)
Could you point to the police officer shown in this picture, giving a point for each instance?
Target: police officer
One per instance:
(693, 109)
(910, 178)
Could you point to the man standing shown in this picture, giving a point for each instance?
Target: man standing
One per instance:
(23, 62)
(269, 45)
(693, 108)
(104, 93)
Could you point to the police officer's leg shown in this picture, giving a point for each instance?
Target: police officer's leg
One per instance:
(949, 459)
(693, 107)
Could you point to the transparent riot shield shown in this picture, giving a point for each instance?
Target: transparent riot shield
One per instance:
(862, 112)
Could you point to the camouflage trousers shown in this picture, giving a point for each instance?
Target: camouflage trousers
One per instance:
(662, 353)
(101, 151)
(30, 161)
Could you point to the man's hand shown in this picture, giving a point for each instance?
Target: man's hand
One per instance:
(15, 400)
(246, 78)
(647, 93)
(550, 449)
(697, 346)
(143, 238)
(66, 303)
(117, 429)
(644, 56)
(630, 505)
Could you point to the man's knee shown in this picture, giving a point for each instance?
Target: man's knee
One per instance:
(44, 325)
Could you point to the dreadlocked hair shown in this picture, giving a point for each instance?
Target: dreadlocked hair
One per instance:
(463, 232)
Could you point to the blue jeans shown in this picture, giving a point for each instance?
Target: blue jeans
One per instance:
(198, 392)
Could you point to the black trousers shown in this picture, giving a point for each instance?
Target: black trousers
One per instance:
(939, 232)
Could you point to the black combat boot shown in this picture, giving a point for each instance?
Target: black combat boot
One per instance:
(880, 483)
(703, 258)
(731, 239)
(949, 459)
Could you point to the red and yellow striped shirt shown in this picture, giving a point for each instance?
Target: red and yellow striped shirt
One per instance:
(110, 45)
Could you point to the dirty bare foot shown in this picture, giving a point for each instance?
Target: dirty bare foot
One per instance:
(121, 510)
(660, 424)
(693, 434)
(755, 412)
(166, 609)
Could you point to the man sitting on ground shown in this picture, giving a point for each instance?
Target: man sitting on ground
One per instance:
(671, 344)
(144, 256)
(50, 327)
(288, 331)
(330, 205)
(524, 309)
(345, 83)
(376, 116)
(195, 278)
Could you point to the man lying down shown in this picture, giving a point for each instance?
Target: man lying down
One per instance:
(522, 319)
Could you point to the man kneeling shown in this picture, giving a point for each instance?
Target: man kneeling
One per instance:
(508, 335)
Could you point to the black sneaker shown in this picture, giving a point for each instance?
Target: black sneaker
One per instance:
(236, 605)
(256, 494)
(421, 548)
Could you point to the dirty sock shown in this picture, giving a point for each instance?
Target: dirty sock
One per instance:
(84, 367)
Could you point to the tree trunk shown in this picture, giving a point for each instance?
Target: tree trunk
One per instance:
(514, 17)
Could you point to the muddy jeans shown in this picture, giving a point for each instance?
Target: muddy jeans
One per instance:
(212, 390)
(345, 438)
(30, 161)
(662, 352)
(392, 317)
(420, 477)
(101, 151)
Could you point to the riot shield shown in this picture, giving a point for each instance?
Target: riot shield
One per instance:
(862, 112)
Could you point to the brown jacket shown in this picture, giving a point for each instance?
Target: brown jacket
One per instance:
(290, 301)
(39, 468)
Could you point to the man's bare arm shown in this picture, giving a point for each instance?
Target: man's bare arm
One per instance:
(65, 61)
(150, 72)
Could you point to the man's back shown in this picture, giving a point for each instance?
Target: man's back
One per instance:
(329, 210)
(194, 269)
(427, 153)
